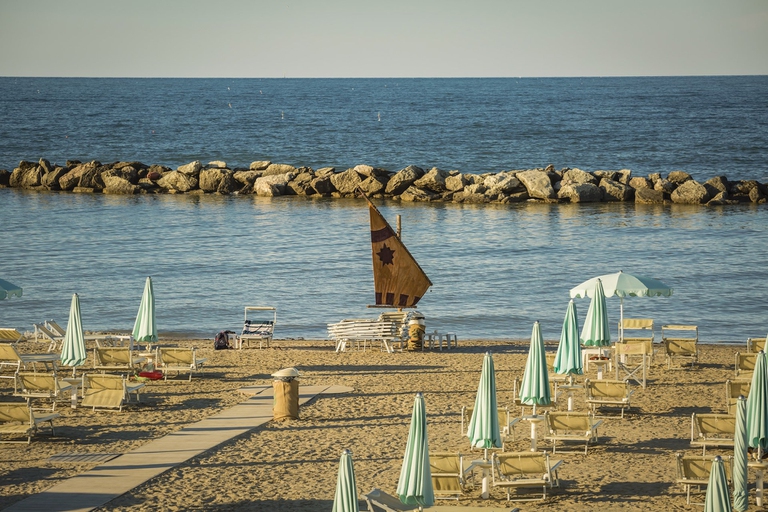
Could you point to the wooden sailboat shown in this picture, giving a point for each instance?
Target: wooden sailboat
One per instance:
(398, 280)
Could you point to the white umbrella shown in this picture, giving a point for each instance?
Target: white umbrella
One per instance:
(73, 349)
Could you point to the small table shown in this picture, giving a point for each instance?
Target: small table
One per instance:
(570, 388)
(760, 466)
(74, 382)
(535, 420)
(486, 466)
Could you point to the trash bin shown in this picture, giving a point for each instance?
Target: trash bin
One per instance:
(416, 328)
(286, 387)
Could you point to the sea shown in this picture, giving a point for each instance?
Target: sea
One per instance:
(496, 269)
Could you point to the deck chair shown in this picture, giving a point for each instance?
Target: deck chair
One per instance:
(380, 500)
(554, 394)
(693, 470)
(680, 342)
(516, 470)
(260, 330)
(755, 344)
(571, 426)
(17, 418)
(8, 335)
(744, 364)
(447, 470)
(55, 328)
(636, 330)
(623, 363)
(733, 390)
(712, 430)
(506, 423)
(611, 393)
(12, 359)
(178, 360)
(54, 340)
(40, 385)
(107, 391)
(115, 359)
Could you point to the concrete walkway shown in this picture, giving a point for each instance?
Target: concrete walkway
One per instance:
(111, 479)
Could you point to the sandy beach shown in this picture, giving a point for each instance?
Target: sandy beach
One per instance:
(292, 465)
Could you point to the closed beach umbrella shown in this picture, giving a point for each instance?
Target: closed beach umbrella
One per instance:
(740, 496)
(596, 332)
(73, 349)
(345, 499)
(535, 386)
(622, 284)
(483, 431)
(415, 484)
(8, 290)
(568, 358)
(145, 329)
(718, 498)
(757, 406)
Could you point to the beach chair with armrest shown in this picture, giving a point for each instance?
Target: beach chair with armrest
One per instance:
(744, 364)
(608, 393)
(637, 330)
(733, 390)
(506, 423)
(40, 385)
(680, 343)
(10, 335)
(518, 470)
(54, 340)
(755, 344)
(107, 391)
(259, 329)
(713, 430)
(693, 470)
(572, 427)
(115, 359)
(447, 469)
(179, 360)
(11, 359)
(18, 418)
(623, 363)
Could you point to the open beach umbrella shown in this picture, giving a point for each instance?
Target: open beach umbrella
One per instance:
(757, 406)
(718, 497)
(622, 285)
(483, 431)
(145, 329)
(596, 332)
(345, 499)
(415, 484)
(534, 389)
(740, 495)
(568, 357)
(8, 290)
(73, 349)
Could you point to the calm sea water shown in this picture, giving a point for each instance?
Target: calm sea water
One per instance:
(495, 269)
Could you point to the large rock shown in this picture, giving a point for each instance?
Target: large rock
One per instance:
(581, 193)
(690, 192)
(259, 165)
(91, 178)
(51, 179)
(648, 196)
(275, 169)
(246, 178)
(192, 168)
(434, 180)
(742, 187)
(577, 177)
(323, 185)
(414, 193)
(346, 182)
(126, 172)
(455, 182)
(273, 185)
(502, 183)
(178, 181)
(615, 191)
(71, 179)
(217, 164)
(403, 179)
(623, 176)
(26, 177)
(228, 184)
(5, 178)
(210, 179)
(664, 185)
(373, 185)
(45, 165)
(679, 177)
(537, 183)
(756, 195)
(466, 196)
(325, 172)
(640, 182)
(607, 175)
(117, 185)
(301, 185)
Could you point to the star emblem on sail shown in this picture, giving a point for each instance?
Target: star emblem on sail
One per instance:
(398, 279)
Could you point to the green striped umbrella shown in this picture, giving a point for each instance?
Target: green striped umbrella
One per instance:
(740, 495)
(718, 497)
(415, 484)
(483, 431)
(568, 358)
(8, 290)
(73, 349)
(345, 499)
(596, 332)
(145, 329)
(757, 406)
(535, 386)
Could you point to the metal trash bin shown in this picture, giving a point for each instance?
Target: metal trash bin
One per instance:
(417, 326)
(286, 390)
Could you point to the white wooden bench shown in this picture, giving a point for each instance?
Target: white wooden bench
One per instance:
(364, 330)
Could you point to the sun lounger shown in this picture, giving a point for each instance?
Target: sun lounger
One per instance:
(638, 330)
(744, 365)
(107, 391)
(755, 344)
(517, 470)
(680, 343)
(8, 335)
(261, 329)
(17, 418)
(55, 341)
(572, 427)
(623, 353)
(447, 469)
(178, 360)
(11, 358)
(733, 390)
(712, 430)
(363, 331)
(693, 470)
(115, 359)
(612, 393)
(55, 328)
(40, 385)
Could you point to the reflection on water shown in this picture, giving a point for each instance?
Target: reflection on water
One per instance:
(496, 269)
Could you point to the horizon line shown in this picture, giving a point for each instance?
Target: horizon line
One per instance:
(382, 77)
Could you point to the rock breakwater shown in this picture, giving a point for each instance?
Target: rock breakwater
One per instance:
(264, 178)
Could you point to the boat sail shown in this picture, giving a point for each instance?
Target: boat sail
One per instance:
(398, 279)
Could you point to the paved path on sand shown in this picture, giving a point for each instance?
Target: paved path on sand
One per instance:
(107, 481)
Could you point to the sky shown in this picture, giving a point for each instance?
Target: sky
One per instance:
(382, 38)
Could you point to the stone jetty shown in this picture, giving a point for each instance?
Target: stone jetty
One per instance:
(264, 178)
